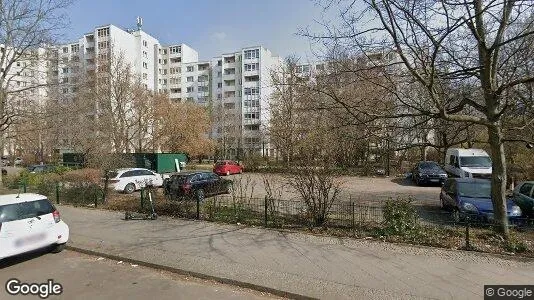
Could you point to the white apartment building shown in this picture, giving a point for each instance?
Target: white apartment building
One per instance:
(242, 88)
(24, 86)
(235, 86)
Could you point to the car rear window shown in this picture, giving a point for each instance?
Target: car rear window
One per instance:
(220, 163)
(25, 210)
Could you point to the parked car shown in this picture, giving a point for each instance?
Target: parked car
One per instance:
(196, 185)
(29, 222)
(472, 197)
(472, 163)
(4, 161)
(132, 179)
(227, 167)
(426, 172)
(524, 197)
(41, 168)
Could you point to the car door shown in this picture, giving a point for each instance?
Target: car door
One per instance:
(448, 194)
(524, 198)
(216, 183)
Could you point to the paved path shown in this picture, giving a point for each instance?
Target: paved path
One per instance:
(88, 277)
(321, 267)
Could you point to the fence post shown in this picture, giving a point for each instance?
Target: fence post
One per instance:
(265, 211)
(467, 240)
(24, 186)
(142, 198)
(57, 192)
(198, 208)
(353, 217)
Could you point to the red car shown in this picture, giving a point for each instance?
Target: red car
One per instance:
(227, 167)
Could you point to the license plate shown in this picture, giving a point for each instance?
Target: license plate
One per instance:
(434, 180)
(32, 239)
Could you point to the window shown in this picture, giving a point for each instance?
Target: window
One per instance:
(145, 54)
(219, 63)
(103, 44)
(252, 67)
(145, 65)
(65, 80)
(252, 91)
(175, 49)
(202, 78)
(219, 74)
(64, 70)
(103, 32)
(219, 85)
(145, 43)
(25, 210)
(252, 103)
(526, 189)
(145, 75)
(190, 68)
(219, 96)
(203, 89)
(252, 127)
(190, 89)
(250, 54)
(65, 49)
(190, 79)
(252, 116)
(75, 48)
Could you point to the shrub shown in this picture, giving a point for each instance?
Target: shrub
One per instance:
(82, 186)
(400, 217)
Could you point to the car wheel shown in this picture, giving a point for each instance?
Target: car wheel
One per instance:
(200, 195)
(227, 173)
(58, 248)
(417, 182)
(129, 188)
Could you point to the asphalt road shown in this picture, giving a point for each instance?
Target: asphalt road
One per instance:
(88, 277)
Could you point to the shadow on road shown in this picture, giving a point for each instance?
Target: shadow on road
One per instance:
(404, 181)
(10, 261)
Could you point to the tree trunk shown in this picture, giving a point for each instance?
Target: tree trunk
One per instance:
(498, 179)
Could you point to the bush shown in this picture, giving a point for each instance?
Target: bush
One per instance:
(400, 217)
(253, 162)
(82, 187)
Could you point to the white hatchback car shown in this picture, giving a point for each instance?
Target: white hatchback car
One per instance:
(133, 179)
(29, 222)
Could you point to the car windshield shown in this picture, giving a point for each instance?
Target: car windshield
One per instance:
(25, 210)
(475, 161)
(474, 189)
(429, 166)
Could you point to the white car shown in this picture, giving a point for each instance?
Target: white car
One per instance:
(133, 179)
(29, 222)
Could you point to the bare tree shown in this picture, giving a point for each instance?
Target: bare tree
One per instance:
(460, 61)
(26, 28)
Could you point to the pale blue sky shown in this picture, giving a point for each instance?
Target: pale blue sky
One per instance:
(212, 27)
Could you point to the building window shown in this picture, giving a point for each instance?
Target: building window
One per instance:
(145, 65)
(252, 91)
(250, 54)
(175, 49)
(190, 79)
(65, 49)
(145, 54)
(65, 80)
(254, 116)
(219, 84)
(252, 103)
(103, 32)
(145, 43)
(145, 75)
(75, 48)
(190, 68)
(190, 89)
(252, 67)
(219, 96)
(202, 88)
(219, 63)
(202, 78)
(219, 74)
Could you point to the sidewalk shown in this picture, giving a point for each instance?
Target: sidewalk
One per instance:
(320, 267)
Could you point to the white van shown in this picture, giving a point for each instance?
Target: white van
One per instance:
(472, 163)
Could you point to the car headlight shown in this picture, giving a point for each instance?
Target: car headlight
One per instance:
(516, 211)
(469, 207)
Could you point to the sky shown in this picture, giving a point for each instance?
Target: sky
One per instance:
(211, 27)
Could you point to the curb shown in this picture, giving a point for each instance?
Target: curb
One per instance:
(179, 271)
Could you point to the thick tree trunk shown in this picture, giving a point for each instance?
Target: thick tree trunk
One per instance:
(498, 181)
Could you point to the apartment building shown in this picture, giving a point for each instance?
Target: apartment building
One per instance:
(24, 75)
(242, 88)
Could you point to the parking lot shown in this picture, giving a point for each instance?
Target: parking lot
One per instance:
(353, 188)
